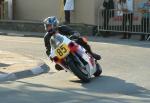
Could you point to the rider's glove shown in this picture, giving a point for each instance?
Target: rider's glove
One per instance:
(51, 59)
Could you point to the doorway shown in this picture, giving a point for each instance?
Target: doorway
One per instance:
(1, 9)
(6, 9)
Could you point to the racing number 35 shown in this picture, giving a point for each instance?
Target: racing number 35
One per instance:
(62, 50)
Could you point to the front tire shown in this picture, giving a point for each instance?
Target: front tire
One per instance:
(76, 69)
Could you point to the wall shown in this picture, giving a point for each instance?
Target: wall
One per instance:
(85, 10)
(35, 9)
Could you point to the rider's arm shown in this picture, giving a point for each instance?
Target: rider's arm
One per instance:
(47, 43)
(65, 30)
(68, 31)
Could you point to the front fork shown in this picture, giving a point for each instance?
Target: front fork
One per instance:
(76, 59)
(64, 63)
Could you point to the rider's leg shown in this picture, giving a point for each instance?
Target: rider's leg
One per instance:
(83, 43)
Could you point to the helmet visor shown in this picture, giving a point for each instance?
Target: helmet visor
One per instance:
(48, 27)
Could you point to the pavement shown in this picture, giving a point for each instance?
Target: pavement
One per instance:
(125, 77)
(14, 66)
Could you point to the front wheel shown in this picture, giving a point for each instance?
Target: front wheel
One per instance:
(98, 70)
(77, 70)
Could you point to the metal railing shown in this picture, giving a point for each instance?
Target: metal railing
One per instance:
(137, 22)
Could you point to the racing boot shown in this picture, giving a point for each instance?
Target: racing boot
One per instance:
(58, 67)
(88, 48)
(96, 56)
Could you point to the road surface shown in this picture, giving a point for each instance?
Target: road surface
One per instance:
(125, 78)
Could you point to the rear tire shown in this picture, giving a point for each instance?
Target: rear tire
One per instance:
(98, 71)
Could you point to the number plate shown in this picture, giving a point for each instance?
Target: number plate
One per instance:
(62, 51)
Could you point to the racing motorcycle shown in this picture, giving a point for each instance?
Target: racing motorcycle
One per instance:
(73, 57)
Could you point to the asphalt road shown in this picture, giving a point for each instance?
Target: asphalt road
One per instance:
(125, 79)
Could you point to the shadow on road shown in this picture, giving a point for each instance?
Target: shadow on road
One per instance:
(4, 65)
(108, 84)
(42, 93)
(113, 85)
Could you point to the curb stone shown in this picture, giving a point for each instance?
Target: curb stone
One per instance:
(1, 33)
(24, 74)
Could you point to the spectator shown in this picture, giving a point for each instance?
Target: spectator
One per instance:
(118, 8)
(64, 2)
(144, 8)
(69, 6)
(108, 11)
(127, 9)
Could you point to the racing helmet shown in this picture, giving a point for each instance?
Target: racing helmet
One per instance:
(53, 21)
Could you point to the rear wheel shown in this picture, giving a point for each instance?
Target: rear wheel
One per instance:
(98, 71)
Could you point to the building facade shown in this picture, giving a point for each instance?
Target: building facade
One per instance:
(86, 11)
